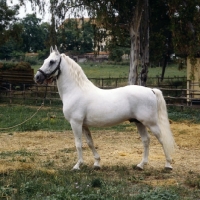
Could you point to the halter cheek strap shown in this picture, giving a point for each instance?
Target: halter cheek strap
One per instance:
(54, 71)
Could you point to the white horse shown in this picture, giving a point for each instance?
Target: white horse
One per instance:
(86, 105)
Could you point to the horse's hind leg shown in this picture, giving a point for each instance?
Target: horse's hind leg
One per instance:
(145, 140)
(156, 131)
(90, 143)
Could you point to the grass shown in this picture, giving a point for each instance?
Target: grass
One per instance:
(53, 182)
(46, 118)
(51, 118)
(188, 114)
(105, 70)
(109, 183)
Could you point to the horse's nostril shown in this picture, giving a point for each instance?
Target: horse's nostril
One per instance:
(37, 77)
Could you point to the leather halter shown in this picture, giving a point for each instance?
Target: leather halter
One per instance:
(47, 76)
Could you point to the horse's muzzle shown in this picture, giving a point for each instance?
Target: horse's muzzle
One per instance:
(39, 78)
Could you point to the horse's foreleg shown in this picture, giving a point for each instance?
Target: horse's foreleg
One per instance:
(90, 143)
(77, 130)
(146, 140)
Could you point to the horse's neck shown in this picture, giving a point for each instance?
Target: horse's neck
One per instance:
(66, 83)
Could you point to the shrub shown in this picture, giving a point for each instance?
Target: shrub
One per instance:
(32, 60)
(24, 66)
(20, 66)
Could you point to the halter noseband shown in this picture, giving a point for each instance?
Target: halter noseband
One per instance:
(49, 75)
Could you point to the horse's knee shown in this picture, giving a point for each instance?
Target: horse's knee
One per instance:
(145, 139)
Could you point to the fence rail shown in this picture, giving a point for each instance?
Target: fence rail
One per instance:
(17, 77)
(174, 91)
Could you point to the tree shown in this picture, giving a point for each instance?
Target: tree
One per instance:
(118, 16)
(45, 35)
(161, 46)
(76, 35)
(8, 26)
(131, 16)
(122, 17)
(33, 35)
(6, 49)
(185, 25)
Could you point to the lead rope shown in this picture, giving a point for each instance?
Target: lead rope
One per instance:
(30, 116)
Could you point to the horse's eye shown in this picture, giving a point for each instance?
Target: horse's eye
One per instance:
(52, 62)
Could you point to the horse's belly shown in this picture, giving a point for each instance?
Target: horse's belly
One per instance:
(106, 118)
(102, 123)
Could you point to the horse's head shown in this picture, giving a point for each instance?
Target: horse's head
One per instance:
(50, 68)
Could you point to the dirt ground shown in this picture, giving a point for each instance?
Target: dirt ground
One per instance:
(38, 150)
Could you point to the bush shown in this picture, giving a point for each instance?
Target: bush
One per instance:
(22, 66)
(116, 55)
(16, 55)
(43, 54)
(19, 66)
(32, 60)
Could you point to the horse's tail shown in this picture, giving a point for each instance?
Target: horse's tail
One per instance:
(163, 122)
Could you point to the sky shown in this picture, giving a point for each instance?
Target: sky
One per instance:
(24, 10)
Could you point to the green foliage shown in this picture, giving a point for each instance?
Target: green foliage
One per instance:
(21, 152)
(76, 35)
(53, 119)
(17, 55)
(67, 184)
(158, 194)
(188, 114)
(193, 180)
(32, 60)
(185, 25)
(160, 42)
(43, 54)
(10, 50)
(14, 115)
(19, 66)
(8, 27)
(34, 34)
(116, 54)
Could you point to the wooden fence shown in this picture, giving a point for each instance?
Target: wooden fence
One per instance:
(170, 82)
(174, 91)
(16, 77)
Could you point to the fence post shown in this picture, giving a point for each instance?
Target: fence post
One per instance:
(24, 92)
(116, 80)
(158, 82)
(36, 93)
(10, 90)
(188, 92)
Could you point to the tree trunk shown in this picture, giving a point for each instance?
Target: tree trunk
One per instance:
(135, 42)
(144, 47)
(134, 60)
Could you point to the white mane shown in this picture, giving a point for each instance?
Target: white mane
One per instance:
(77, 73)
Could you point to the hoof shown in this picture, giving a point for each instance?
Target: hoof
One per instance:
(137, 167)
(75, 169)
(168, 168)
(95, 167)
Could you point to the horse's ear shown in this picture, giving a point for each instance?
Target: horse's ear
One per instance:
(51, 49)
(56, 49)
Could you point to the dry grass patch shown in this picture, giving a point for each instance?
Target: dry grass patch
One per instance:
(49, 151)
